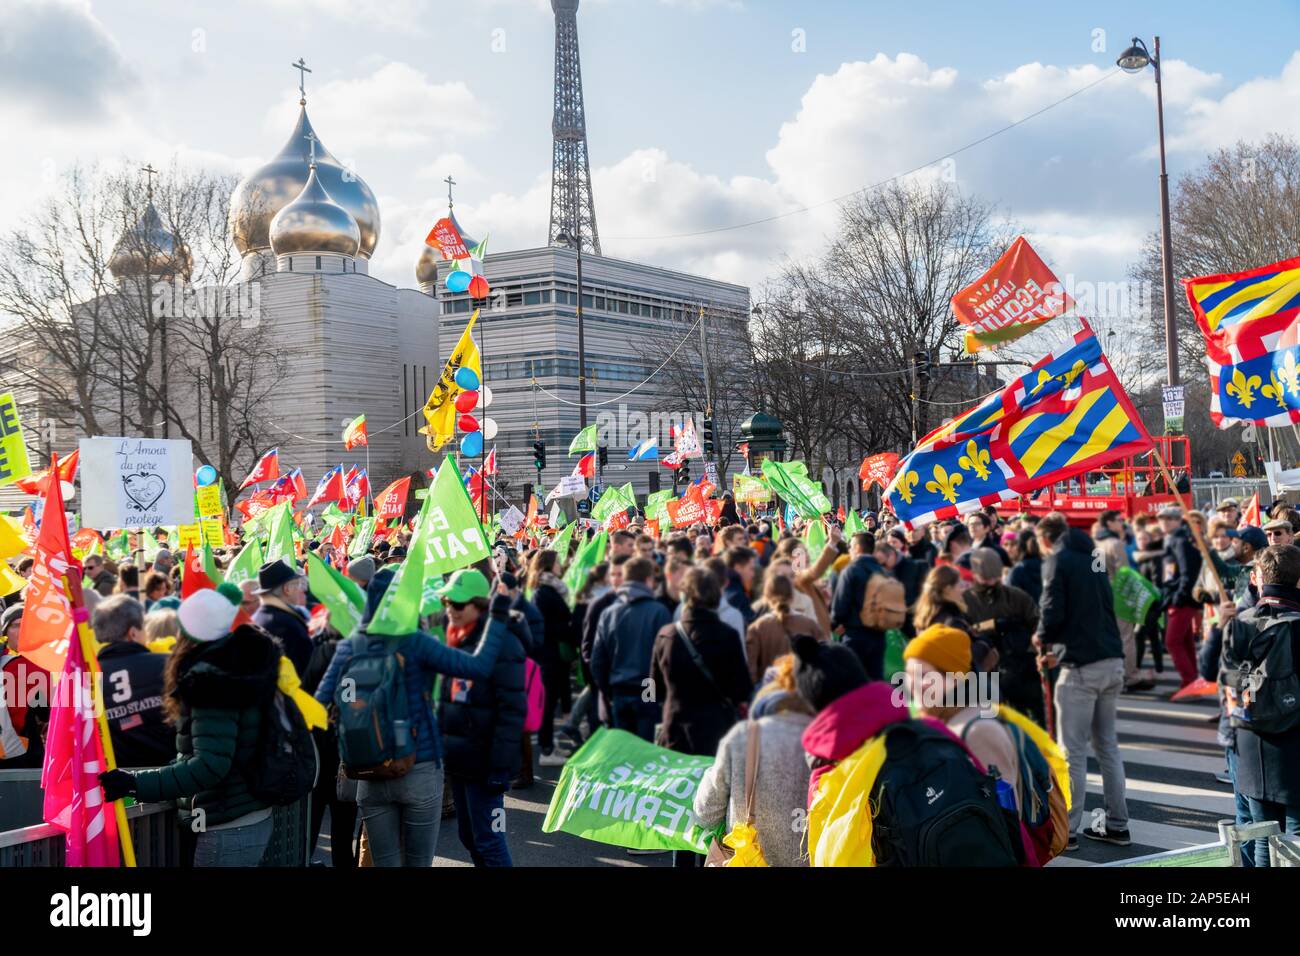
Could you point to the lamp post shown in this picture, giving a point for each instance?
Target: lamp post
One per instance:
(576, 242)
(1134, 60)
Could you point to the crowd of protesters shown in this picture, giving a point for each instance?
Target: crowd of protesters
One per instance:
(734, 642)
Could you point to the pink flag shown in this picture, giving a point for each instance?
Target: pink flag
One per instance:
(74, 756)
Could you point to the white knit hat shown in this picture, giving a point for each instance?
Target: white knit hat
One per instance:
(206, 615)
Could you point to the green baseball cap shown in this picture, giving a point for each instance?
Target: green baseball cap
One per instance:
(464, 585)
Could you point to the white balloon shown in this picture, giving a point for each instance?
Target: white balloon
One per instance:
(489, 428)
(484, 397)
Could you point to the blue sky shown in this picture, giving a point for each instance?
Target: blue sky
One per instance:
(701, 113)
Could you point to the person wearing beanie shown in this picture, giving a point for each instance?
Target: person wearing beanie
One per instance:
(362, 570)
(402, 816)
(941, 684)
(216, 686)
(1006, 618)
(283, 591)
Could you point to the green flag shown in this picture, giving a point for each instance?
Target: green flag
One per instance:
(814, 538)
(210, 565)
(340, 594)
(118, 546)
(585, 440)
(362, 539)
(589, 555)
(149, 544)
(656, 508)
(280, 547)
(621, 790)
(614, 500)
(1134, 595)
(853, 524)
(246, 563)
(560, 543)
(790, 480)
(448, 536)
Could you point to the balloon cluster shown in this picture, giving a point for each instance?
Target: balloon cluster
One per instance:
(470, 398)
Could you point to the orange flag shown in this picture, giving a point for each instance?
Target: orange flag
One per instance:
(47, 615)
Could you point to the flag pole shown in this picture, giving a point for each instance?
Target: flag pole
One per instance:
(85, 636)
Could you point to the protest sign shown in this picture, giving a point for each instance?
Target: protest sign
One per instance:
(209, 500)
(189, 535)
(621, 790)
(14, 463)
(511, 520)
(213, 533)
(140, 482)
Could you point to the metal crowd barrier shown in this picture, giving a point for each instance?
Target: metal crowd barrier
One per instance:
(156, 830)
(1283, 850)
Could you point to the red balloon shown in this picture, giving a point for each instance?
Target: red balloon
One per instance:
(467, 423)
(479, 288)
(466, 401)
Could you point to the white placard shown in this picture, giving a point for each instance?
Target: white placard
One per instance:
(511, 520)
(136, 482)
(570, 486)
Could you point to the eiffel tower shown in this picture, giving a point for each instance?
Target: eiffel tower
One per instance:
(573, 210)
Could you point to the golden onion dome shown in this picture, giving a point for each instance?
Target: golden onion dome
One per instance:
(314, 222)
(267, 190)
(150, 249)
(426, 267)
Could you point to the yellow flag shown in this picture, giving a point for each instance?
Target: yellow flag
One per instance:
(10, 580)
(440, 409)
(12, 541)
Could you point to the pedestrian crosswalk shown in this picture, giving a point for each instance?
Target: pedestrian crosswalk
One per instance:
(1171, 755)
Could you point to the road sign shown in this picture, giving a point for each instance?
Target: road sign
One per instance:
(1239, 465)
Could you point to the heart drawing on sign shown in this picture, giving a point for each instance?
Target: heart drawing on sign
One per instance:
(143, 491)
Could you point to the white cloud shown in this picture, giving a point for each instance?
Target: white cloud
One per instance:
(1263, 105)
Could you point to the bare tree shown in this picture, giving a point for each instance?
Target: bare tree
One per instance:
(118, 296)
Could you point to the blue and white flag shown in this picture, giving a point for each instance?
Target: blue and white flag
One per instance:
(648, 450)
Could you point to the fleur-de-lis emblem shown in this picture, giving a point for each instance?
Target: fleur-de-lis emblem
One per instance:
(1274, 390)
(1075, 371)
(1243, 387)
(1043, 379)
(976, 459)
(1289, 374)
(944, 484)
(906, 482)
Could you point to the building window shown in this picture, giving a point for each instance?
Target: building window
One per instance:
(532, 298)
(291, 263)
(318, 263)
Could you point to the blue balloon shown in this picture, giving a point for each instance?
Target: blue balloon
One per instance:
(467, 378)
(206, 475)
(458, 281)
(471, 446)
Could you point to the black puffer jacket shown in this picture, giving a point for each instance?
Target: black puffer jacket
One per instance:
(223, 690)
(482, 721)
(1077, 608)
(1183, 557)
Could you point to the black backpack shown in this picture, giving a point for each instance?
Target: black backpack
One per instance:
(933, 806)
(284, 769)
(1257, 671)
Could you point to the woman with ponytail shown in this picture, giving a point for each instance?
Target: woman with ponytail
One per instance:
(770, 635)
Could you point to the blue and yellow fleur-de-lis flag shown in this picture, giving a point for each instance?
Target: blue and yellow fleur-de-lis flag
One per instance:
(1066, 415)
(1251, 324)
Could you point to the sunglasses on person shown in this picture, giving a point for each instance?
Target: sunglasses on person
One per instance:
(454, 605)
(1275, 532)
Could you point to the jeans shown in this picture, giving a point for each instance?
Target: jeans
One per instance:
(481, 822)
(402, 816)
(635, 715)
(1286, 816)
(1181, 625)
(1087, 698)
(233, 846)
(1242, 808)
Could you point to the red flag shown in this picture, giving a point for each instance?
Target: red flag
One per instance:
(330, 488)
(878, 468)
(840, 514)
(1250, 515)
(266, 469)
(354, 436)
(193, 576)
(391, 502)
(586, 466)
(47, 615)
(299, 484)
(447, 239)
(1016, 295)
(74, 757)
(35, 484)
(490, 463)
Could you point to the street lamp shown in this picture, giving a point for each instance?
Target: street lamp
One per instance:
(575, 242)
(1134, 60)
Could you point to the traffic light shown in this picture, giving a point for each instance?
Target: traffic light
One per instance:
(602, 456)
(539, 455)
(923, 365)
(684, 473)
(708, 437)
